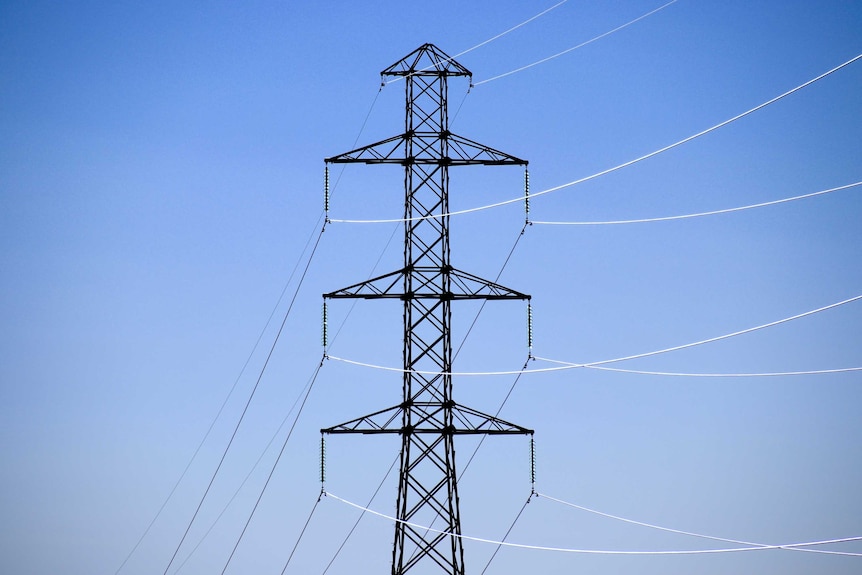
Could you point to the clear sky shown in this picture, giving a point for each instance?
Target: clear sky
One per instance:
(161, 174)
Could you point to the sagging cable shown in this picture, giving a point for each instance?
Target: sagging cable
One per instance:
(508, 532)
(711, 551)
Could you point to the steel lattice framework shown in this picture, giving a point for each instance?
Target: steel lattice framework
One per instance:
(428, 417)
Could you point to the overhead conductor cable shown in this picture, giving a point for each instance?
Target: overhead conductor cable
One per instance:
(700, 214)
(581, 45)
(563, 365)
(786, 546)
(689, 533)
(619, 166)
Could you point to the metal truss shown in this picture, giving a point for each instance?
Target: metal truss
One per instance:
(425, 283)
(428, 418)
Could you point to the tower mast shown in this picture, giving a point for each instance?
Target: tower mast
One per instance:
(428, 418)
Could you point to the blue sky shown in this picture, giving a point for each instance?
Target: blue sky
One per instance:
(161, 172)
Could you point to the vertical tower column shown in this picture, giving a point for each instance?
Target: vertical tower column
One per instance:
(427, 486)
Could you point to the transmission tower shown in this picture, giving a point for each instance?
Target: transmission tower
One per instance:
(428, 418)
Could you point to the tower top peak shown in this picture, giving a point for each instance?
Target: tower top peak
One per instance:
(426, 60)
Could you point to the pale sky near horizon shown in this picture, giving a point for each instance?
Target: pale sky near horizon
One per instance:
(161, 177)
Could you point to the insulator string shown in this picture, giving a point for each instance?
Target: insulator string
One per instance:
(325, 327)
(322, 462)
(533, 463)
(326, 191)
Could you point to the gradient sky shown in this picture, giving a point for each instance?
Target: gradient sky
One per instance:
(161, 175)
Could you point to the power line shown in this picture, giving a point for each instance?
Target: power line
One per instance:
(668, 529)
(581, 45)
(563, 365)
(567, 365)
(761, 374)
(619, 166)
(355, 141)
(248, 475)
(512, 29)
(361, 515)
(302, 394)
(209, 430)
(489, 40)
(224, 403)
(248, 402)
(787, 546)
(454, 373)
(272, 469)
(301, 533)
(717, 338)
(281, 296)
(699, 214)
(508, 531)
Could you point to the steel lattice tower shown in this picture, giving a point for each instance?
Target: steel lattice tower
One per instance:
(428, 417)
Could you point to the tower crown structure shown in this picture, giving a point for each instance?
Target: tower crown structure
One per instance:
(427, 418)
(426, 60)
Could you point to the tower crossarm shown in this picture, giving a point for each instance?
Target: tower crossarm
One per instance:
(382, 152)
(425, 150)
(468, 152)
(473, 287)
(384, 421)
(427, 281)
(429, 417)
(385, 286)
(473, 422)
